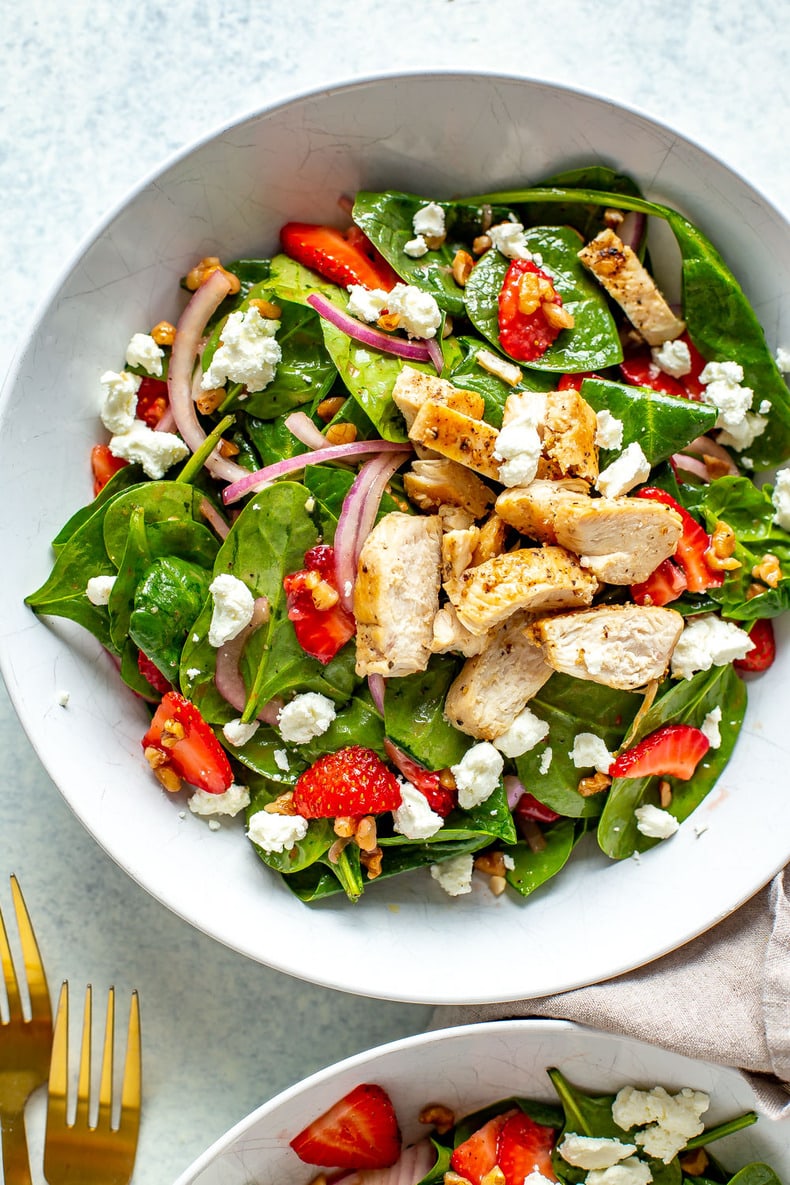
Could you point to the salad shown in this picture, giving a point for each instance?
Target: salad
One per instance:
(435, 542)
(630, 1138)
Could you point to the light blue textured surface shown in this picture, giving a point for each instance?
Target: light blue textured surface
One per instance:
(95, 96)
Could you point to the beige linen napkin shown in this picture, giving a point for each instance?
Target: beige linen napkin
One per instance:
(724, 998)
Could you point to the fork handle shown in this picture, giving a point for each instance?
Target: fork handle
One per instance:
(16, 1164)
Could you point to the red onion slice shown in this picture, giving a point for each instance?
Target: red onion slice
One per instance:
(214, 518)
(691, 465)
(704, 444)
(252, 482)
(435, 353)
(631, 229)
(227, 676)
(416, 351)
(377, 687)
(514, 789)
(167, 422)
(302, 427)
(360, 507)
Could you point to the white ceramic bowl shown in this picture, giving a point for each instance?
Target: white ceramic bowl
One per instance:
(438, 135)
(467, 1068)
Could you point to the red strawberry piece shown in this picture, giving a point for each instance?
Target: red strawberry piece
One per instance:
(573, 382)
(344, 257)
(672, 751)
(351, 782)
(152, 400)
(358, 1132)
(104, 466)
(641, 371)
(525, 336)
(478, 1155)
(321, 624)
(439, 797)
(691, 548)
(529, 807)
(525, 1147)
(764, 653)
(180, 734)
(664, 584)
(152, 674)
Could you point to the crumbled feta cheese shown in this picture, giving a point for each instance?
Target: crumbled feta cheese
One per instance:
(723, 391)
(416, 247)
(420, 315)
(214, 825)
(281, 760)
(193, 672)
(545, 760)
(674, 1119)
(235, 799)
(710, 727)
(477, 774)
(310, 504)
(765, 407)
(98, 589)
(155, 451)
(740, 436)
(655, 823)
(708, 642)
(524, 734)
(631, 467)
(628, 1172)
(519, 449)
(609, 430)
(508, 861)
(143, 351)
(593, 1152)
(536, 1178)
(234, 606)
(783, 360)
(455, 875)
(237, 733)
(248, 352)
(276, 833)
(414, 818)
(722, 372)
(305, 717)
(120, 400)
(781, 499)
(429, 220)
(510, 240)
(673, 358)
(63, 698)
(589, 751)
(366, 304)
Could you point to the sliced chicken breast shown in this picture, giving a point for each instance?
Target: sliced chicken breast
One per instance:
(450, 635)
(412, 389)
(431, 484)
(569, 435)
(456, 436)
(532, 509)
(620, 272)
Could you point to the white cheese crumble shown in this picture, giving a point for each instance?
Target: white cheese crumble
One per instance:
(510, 240)
(366, 304)
(655, 823)
(765, 407)
(628, 1172)
(276, 833)
(307, 716)
(589, 751)
(526, 731)
(237, 733)
(414, 818)
(673, 1119)
(593, 1152)
(783, 360)
(143, 351)
(281, 760)
(545, 760)
(708, 642)
(420, 315)
(742, 435)
(781, 499)
(429, 220)
(415, 248)
(536, 1178)
(609, 430)
(477, 774)
(120, 400)
(63, 698)
(155, 451)
(234, 606)
(723, 390)
(630, 468)
(455, 875)
(518, 444)
(248, 352)
(234, 799)
(673, 358)
(98, 589)
(710, 728)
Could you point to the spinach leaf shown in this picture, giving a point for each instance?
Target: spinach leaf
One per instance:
(161, 501)
(585, 1114)
(533, 869)
(130, 475)
(358, 723)
(249, 272)
(465, 371)
(686, 702)
(491, 819)
(592, 344)
(755, 1174)
(588, 220)
(166, 603)
(271, 440)
(414, 715)
(661, 424)
(134, 562)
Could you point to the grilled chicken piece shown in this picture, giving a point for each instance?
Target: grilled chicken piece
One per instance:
(431, 484)
(490, 541)
(535, 578)
(396, 595)
(449, 634)
(492, 688)
(569, 435)
(532, 509)
(622, 646)
(412, 389)
(457, 436)
(457, 551)
(619, 271)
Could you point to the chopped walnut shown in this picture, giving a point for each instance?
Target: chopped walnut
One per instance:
(768, 570)
(462, 267)
(595, 784)
(201, 272)
(664, 794)
(209, 401)
(438, 1116)
(719, 555)
(267, 308)
(371, 861)
(164, 333)
(328, 408)
(341, 433)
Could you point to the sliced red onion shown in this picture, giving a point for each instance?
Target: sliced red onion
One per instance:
(346, 203)
(704, 444)
(360, 507)
(691, 465)
(416, 351)
(435, 353)
(414, 1163)
(631, 229)
(303, 428)
(227, 676)
(514, 789)
(167, 422)
(186, 345)
(377, 687)
(252, 482)
(212, 516)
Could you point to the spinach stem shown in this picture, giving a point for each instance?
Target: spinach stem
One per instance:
(199, 458)
(723, 1129)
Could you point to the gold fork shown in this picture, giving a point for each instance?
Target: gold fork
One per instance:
(83, 1152)
(24, 1044)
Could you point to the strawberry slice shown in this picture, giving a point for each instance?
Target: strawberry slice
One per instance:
(180, 734)
(439, 797)
(672, 751)
(152, 402)
(764, 653)
(476, 1157)
(321, 624)
(691, 548)
(530, 807)
(353, 781)
(525, 336)
(152, 674)
(104, 466)
(664, 584)
(640, 370)
(358, 1132)
(573, 382)
(525, 1147)
(344, 257)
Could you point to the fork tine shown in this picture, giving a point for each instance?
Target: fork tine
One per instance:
(59, 1064)
(105, 1085)
(84, 1079)
(9, 974)
(131, 1093)
(38, 990)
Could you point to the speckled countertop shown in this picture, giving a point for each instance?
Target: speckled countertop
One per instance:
(95, 96)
